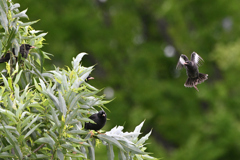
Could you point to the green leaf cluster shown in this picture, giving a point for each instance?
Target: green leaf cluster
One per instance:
(42, 113)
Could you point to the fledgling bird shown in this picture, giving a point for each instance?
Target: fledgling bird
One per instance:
(194, 77)
(99, 119)
(24, 50)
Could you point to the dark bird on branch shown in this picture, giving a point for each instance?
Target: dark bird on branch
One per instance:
(194, 77)
(99, 119)
(24, 50)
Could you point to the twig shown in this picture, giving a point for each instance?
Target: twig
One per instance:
(37, 149)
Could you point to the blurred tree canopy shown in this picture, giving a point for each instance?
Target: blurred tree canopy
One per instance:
(136, 45)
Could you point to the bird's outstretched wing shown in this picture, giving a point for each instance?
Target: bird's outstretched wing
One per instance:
(182, 59)
(196, 58)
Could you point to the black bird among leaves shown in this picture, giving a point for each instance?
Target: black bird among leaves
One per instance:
(194, 77)
(100, 120)
(24, 50)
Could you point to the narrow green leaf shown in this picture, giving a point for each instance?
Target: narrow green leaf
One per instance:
(3, 16)
(11, 128)
(34, 120)
(71, 155)
(143, 139)
(54, 100)
(47, 140)
(76, 61)
(13, 141)
(36, 85)
(77, 132)
(121, 155)
(91, 151)
(6, 82)
(67, 146)
(6, 155)
(14, 6)
(55, 118)
(17, 77)
(71, 115)
(39, 36)
(110, 140)
(27, 24)
(110, 151)
(9, 114)
(26, 121)
(21, 14)
(73, 103)
(130, 147)
(30, 132)
(62, 104)
(60, 154)
(9, 147)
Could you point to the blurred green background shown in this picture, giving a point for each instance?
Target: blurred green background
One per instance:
(135, 45)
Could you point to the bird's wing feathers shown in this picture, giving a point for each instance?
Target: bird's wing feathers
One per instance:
(196, 58)
(182, 59)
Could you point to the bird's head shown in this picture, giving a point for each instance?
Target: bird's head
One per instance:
(88, 78)
(26, 46)
(102, 114)
(188, 63)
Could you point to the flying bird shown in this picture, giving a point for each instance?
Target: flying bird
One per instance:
(194, 77)
(99, 119)
(24, 50)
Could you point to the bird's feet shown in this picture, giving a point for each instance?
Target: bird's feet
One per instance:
(92, 134)
(195, 86)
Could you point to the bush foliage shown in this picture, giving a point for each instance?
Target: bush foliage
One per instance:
(42, 113)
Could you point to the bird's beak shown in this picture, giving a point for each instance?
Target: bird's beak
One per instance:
(103, 115)
(184, 63)
(33, 47)
(91, 78)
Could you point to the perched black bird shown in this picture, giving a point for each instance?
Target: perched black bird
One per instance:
(100, 120)
(24, 50)
(194, 77)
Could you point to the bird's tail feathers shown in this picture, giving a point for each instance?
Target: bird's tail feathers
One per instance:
(191, 82)
(202, 77)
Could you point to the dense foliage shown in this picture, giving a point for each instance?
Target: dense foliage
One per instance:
(42, 113)
(129, 42)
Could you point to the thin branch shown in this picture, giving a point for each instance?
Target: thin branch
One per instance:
(37, 149)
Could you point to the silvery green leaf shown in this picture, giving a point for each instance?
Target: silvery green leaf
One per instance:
(14, 6)
(110, 140)
(13, 141)
(27, 23)
(21, 14)
(39, 36)
(55, 117)
(121, 155)
(60, 154)
(32, 130)
(6, 155)
(147, 157)
(34, 120)
(47, 140)
(3, 16)
(143, 139)
(77, 60)
(91, 151)
(110, 151)
(130, 147)
(62, 103)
